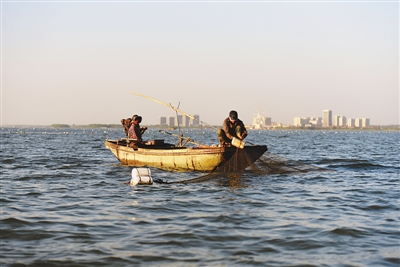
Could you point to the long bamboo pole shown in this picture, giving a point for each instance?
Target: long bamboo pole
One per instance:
(174, 108)
(187, 139)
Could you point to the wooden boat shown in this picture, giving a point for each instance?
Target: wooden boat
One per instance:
(174, 158)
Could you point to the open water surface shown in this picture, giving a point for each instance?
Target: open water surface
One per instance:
(64, 202)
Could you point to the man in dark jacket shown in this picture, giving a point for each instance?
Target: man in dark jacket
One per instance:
(232, 127)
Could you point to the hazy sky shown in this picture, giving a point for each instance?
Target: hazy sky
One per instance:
(78, 62)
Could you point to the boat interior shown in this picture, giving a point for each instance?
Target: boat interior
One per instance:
(154, 144)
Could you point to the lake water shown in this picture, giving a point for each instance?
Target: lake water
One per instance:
(64, 202)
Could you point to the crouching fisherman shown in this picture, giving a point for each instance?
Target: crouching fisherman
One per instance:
(135, 131)
(232, 128)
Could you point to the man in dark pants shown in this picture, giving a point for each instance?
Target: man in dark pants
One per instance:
(232, 127)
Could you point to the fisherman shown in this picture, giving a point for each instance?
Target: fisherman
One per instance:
(135, 131)
(126, 123)
(232, 127)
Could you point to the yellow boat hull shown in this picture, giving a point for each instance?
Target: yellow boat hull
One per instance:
(202, 159)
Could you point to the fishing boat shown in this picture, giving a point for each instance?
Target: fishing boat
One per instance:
(180, 158)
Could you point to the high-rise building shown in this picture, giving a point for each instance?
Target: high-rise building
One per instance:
(178, 120)
(364, 122)
(327, 118)
(171, 122)
(350, 122)
(335, 121)
(342, 121)
(196, 121)
(358, 122)
(163, 120)
(186, 121)
(339, 121)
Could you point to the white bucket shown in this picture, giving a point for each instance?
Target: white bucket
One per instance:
(141, 176)
(237, 142)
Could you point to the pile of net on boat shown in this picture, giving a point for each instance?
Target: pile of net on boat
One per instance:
(241, 162)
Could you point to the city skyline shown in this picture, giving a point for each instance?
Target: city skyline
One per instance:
(260, 121)
(328, 120)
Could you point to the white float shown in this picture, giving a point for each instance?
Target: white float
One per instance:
(141, 176)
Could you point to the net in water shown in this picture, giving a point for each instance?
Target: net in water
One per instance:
(241, 161)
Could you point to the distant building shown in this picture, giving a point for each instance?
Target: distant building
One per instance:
(316, 122)
(297, 122)
(327, 118)
(196, 121)
(339, 121)
(308, 122)
(171, 122)
(364, 122)
(358, 123)
(259, 121)
(350, 123)
(185, 121)
(301, 121)
(178, 120)
(342, 121)
(163, 120)
(335, 121)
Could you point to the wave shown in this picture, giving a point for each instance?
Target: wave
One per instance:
(355, 164)
(350, 232)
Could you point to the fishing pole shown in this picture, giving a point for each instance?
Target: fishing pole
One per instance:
(187, 139)
(174, 108)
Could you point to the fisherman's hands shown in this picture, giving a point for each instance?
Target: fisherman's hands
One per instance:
(143, 129)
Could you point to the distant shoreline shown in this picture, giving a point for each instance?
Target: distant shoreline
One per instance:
(118, 126)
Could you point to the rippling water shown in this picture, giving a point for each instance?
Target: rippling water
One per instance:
(64, 202)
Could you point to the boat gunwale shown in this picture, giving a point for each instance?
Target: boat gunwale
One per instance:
(153, 148)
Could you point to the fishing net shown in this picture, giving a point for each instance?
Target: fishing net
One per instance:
(241, 162)
(273, 164)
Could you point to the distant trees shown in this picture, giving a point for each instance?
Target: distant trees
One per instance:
(91, 126)
(60, 126)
